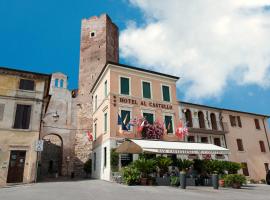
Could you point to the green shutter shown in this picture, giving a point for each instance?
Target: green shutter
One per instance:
(105, 122)
(105, 89)
(149, 117)
(169, 124)
(125, 114)
(166, 93)
(146, 90)
(124, 86)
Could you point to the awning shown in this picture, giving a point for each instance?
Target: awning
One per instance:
(163, 147)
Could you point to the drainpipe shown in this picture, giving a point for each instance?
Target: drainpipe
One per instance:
(223, 127)
(266, 134)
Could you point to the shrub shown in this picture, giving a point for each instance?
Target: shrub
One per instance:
(232, 179)
(145, 166)
(175, 181)
(131, 175)
(87, 167)
(114, 160)
(232, 167)
(184, 164)
(263, 181)
(163, 164)
(214, 166)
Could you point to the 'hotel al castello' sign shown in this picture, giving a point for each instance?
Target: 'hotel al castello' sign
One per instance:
(145, 103)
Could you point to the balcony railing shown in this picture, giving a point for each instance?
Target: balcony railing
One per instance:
(206, 126)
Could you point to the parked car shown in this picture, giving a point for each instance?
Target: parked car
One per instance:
(268, 177)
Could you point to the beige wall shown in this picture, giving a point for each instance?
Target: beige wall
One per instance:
(250, 136)
(17, 139)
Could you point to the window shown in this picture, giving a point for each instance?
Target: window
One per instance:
(204, 139)
(149, 117)
(166, 93)
(95, 131)
(95, 161)
(56, 82)
(239, 121)
(262, 146)
(188, 118)
(61, 83)
(213, 121)
(106, 88)
(95, 102)
(168, 124)
(233, 120)
(240, 145)
(92, 34)
(22, 117)
(245, 169)
(124, 86)
(201, 119)
(191, 139)
(105, 122)
(146, 87)
(105, 156)
(217, 142)
(266, 166)
(126, 159)
(125, 117)
(257, 124)
(27, 84)
(2, 109)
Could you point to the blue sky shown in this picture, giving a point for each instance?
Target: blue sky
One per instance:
(44, 36)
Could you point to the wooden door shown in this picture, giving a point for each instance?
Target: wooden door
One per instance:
(16, 167)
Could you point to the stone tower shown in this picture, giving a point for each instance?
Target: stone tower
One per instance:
(99, 44)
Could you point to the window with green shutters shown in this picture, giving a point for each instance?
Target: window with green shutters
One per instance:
(166, 93)
(146, 86)
(124, 84)
(169, 124)
(149, 117)
(95, 131)
(125, 116)
(105, 122)
(106, 88)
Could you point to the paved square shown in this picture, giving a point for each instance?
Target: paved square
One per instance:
(101, 190)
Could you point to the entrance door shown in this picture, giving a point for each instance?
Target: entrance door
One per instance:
(16, 167)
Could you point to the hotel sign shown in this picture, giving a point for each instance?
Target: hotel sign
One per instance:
(145, 103)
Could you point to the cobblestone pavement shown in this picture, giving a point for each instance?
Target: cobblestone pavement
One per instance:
(101, 190)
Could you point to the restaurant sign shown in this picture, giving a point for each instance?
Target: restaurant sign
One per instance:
(145, 103)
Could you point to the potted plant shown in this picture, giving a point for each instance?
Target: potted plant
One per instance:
(114, 161)
(131, 175)
(145, 166)
(175, 181)
(183, 165)
(235, 180)
(87, 167)
(163, 164)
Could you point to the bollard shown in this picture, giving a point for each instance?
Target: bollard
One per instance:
(215, 181)
(183, 180)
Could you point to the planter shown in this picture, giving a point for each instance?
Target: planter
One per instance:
(183, 180)
(143, 181)
(236, 185)
(163, 181)
(221, 183)
(215, 181)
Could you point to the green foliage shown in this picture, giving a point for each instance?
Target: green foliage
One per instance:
(231, 179)
(184, 164)
(214, 166)
(87, 167)
(175, 181)
(232, 167)
(163, 164)
(131, 175)
(114, 160)
(263, 181)
(145, 166)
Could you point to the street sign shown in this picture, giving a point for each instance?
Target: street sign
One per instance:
(39, 145)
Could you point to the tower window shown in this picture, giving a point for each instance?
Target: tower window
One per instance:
(56, 82)
(92, 34)
(61, 83)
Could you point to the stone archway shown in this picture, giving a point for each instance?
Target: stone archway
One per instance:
(51, 156)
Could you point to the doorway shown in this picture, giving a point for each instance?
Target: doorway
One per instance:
(16, 167)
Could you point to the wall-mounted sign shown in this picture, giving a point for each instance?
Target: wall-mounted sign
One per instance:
(145, 103)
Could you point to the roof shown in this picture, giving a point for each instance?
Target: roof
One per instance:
(134, 68)
(24, 71)
(224, 109)
(166, 147)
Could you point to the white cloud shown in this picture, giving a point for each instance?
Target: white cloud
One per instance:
(208, 43)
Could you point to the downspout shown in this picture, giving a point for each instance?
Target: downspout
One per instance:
(223, 127)
(266, 134)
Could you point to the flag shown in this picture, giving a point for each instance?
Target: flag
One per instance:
(125, 125)
(119, 121)
(140, 128)
(181, 130)
(133, 122)
(90, 136)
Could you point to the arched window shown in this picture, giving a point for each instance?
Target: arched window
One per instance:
(61, 83)
(188, 117)
(201, 119)
(213, 121)
(56, 82)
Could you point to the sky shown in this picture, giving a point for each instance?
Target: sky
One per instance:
(220, 49)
